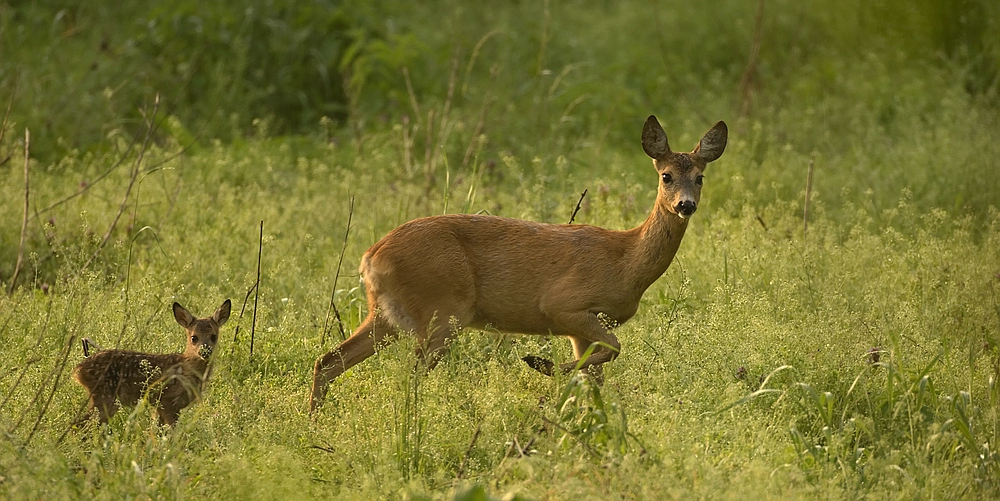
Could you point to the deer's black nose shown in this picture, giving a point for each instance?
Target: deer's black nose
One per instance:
(686, 208)
(205, 351)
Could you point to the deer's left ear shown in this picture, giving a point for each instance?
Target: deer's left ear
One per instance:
(712, 145)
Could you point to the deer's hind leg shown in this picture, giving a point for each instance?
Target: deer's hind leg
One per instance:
(373, 332)
(437, 331)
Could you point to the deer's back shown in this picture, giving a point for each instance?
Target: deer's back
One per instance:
(514, 269)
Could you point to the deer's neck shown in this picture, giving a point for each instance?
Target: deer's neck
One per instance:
(656, 243)
(194, 363)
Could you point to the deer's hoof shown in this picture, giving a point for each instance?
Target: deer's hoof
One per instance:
(543, 365)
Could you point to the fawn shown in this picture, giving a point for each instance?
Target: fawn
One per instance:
(522, 276)
(172, 380)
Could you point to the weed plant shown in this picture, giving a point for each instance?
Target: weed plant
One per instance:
(856, 358)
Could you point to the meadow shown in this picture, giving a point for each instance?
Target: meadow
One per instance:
(830, 327)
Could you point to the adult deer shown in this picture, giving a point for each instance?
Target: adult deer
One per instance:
(523, 276)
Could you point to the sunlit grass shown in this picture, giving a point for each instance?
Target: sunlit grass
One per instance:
(751, 366)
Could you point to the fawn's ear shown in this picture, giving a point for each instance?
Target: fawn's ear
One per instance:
(183, 317)
(712, 145)
(654, 140)
(222, 314)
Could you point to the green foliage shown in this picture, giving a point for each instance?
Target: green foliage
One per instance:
(214, 59)
(218, 66)
(599, 427)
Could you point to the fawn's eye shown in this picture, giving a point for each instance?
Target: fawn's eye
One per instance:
(699, 180)
(194, 339)
(667, 179)
(215, 338)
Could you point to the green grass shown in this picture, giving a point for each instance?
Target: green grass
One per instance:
(856, 360)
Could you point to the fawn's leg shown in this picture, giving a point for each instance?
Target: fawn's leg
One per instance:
(104, 406)
(167, 416)
(177, 390)
(92, 407)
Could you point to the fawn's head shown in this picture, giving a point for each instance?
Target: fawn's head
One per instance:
(202, 333)
(681, 173)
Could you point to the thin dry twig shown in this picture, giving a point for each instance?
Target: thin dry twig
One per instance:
(353, 113)
(31, 361)
(3, 126)
(474, 56)
(543, 44)
(150, 127)
(336, 277)
(577, 209)
(41, 388)
(324, 448)
(24, 221)
(522, 451)
(60, 368)
(17, 382)
(443, 129)
(761, 221)
(585, 445)
(413, 96)
(173, 202)
(253, 324)
(407, 147)
(239, 323)
(477, 131)
(76, 421)
(90, 184)
(805, 209)
(468, 451)
(126, 313)
(749, 74)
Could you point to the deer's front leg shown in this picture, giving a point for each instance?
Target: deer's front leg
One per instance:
(583, 328)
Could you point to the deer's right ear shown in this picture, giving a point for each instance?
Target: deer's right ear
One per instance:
(222, 314)
(654, 140)
(183, 317)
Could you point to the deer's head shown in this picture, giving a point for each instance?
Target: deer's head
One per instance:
(681, 174)
(202, 333)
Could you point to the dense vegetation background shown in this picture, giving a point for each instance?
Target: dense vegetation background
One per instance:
(853, 356)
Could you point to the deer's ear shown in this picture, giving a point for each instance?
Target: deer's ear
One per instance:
(712, 145)
(654, 140)
(222, 314)
(183, 317)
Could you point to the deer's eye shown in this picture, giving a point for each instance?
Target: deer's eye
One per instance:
(667, 179)
(215, 338)
(699, 180)
(194, 339)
